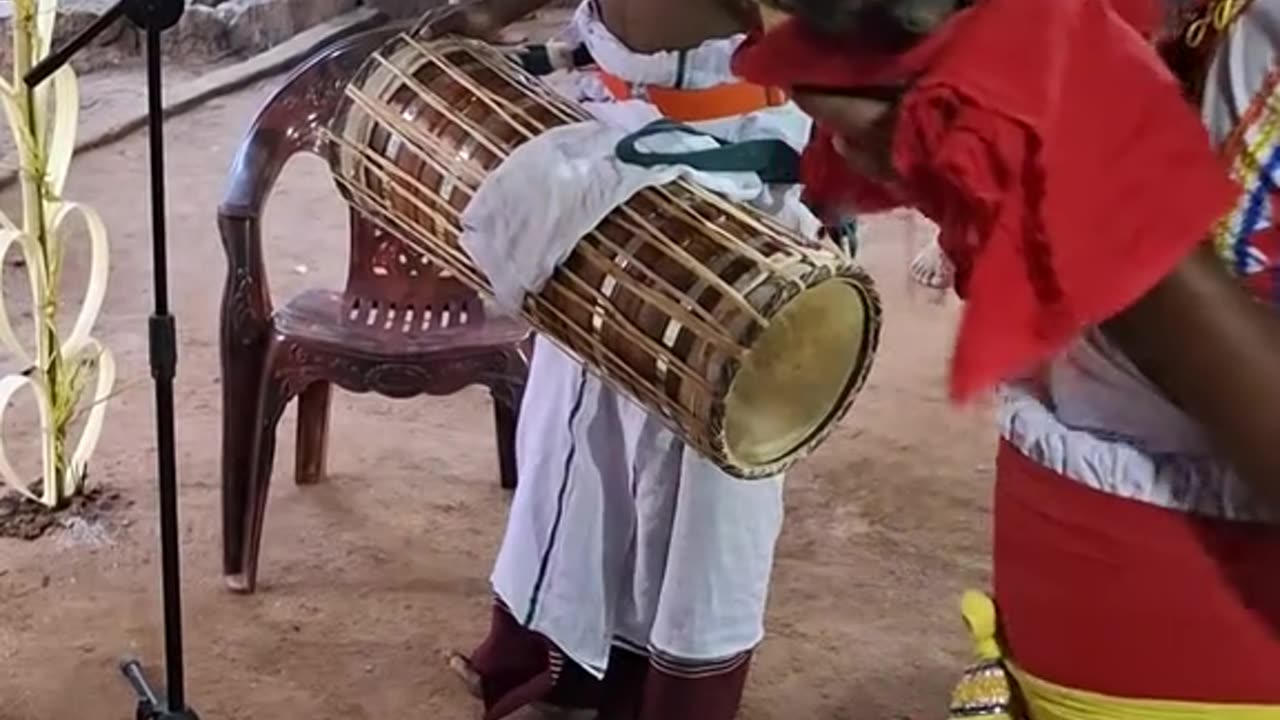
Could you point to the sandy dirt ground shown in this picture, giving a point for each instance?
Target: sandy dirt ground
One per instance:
(368, 578)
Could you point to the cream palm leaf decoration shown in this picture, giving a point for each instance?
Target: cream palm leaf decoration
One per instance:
(59, 370)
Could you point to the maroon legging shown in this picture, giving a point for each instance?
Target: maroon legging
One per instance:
(518, 667)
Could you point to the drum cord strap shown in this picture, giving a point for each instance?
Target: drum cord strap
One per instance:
(775, 161)
(544, 59)
(541, 60)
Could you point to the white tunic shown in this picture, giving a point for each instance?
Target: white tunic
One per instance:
(618, 532)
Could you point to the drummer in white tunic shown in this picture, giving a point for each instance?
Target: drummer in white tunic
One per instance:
(632, 579)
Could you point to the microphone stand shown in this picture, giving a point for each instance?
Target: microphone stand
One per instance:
(153, 17)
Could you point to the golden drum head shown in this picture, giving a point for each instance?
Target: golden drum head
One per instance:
(748, 341)
(798, 374)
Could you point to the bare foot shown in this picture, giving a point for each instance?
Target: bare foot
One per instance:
(932, 269)
(462, 668)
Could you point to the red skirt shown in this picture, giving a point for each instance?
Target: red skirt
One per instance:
(1118, 597)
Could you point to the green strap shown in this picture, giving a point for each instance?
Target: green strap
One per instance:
(776, 162)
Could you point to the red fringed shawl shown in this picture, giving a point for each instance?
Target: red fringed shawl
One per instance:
(1049, 143)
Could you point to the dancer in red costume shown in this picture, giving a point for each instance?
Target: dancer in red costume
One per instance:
(1137, 520)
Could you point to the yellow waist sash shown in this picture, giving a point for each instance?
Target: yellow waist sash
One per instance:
(1046, 701)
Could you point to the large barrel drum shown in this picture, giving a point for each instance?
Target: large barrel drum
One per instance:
(750, 341)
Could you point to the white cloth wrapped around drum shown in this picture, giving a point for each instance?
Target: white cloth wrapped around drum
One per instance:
(748, 340)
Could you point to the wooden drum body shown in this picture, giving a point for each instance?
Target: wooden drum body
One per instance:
(749, 342)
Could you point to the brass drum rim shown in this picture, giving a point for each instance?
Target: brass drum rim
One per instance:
(865, 303)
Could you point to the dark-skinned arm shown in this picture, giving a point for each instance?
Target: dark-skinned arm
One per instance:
(1215, 352)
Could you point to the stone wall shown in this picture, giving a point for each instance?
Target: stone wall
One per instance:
(215, 28)
(209, 29)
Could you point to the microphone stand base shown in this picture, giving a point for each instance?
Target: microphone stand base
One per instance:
(150, 707)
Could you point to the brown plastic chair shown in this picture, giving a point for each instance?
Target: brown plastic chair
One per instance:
(402, 327)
